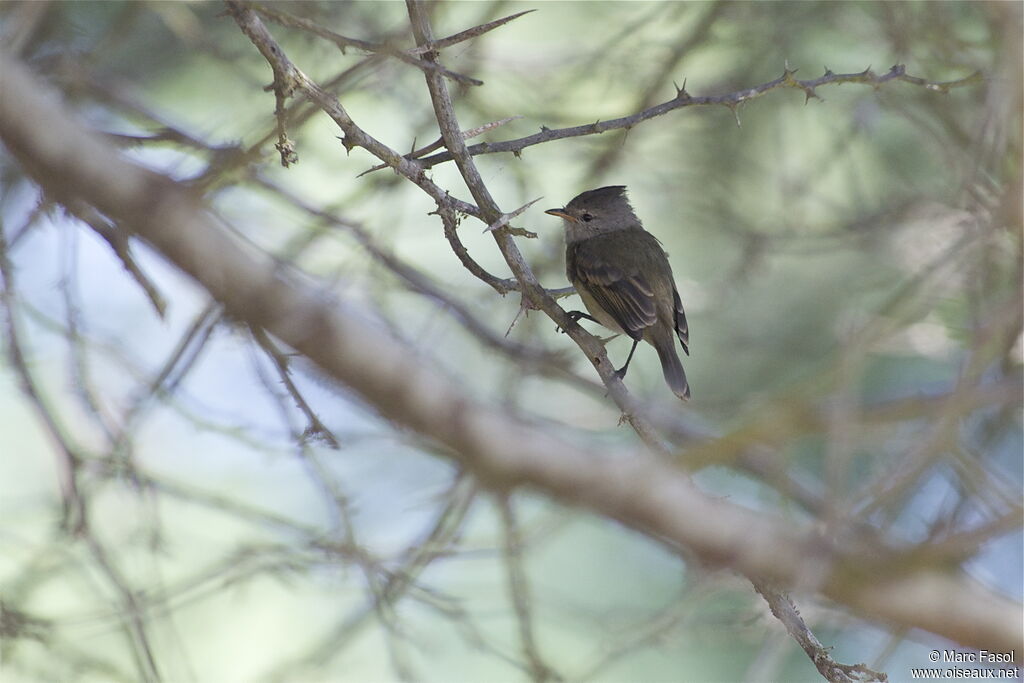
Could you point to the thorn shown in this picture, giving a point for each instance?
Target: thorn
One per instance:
(809, 94)
(371, 170)
(517, 153)
(787, 77)
(544, 129)
(523, 308)
(828, 73)
(735, 112)
(504, 218)
(681, 93)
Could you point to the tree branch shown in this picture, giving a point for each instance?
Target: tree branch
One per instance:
(288, 78)
(730, 100)
(285, 19)
(492, 215)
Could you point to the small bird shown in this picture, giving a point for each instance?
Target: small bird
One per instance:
(623, 276)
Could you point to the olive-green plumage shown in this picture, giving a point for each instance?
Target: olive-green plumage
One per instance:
(623, 277)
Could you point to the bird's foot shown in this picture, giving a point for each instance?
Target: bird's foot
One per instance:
(575, 317)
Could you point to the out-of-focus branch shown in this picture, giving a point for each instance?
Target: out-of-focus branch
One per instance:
(75, 513)
(118, 241)
(786, 612)
(504, 451)
(551, 363)
(315, 428)
(436, 542)
(519, 593)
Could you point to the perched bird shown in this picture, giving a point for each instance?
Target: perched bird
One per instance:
(623, 277)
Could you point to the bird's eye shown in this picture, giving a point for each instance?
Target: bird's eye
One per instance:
(587, 218)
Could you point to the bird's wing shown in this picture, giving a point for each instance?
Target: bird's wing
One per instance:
(681, 329)
(625, 296)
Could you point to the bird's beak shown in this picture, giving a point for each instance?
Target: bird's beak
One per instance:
(561, 213)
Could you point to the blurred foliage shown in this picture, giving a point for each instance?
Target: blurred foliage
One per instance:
(833, 256)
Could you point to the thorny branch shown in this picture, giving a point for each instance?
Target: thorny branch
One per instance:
(531, 289)
(285, 19)
(729, 100)
(287, 78)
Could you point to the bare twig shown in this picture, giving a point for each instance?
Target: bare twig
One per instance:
(439, 540)
(285, 71)
(729, 100)
(178, 364)
(519, 593)
(315, 428)
(785, 611)
(437, 144)
(288, 78)
(503, 219)
(450, 219)
(75, 517)
(118, 241)
(470, 33)
(680, 49)
(285, 19)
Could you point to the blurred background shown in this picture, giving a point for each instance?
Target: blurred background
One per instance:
(850, 268)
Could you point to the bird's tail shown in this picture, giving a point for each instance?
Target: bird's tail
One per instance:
(675, 377)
